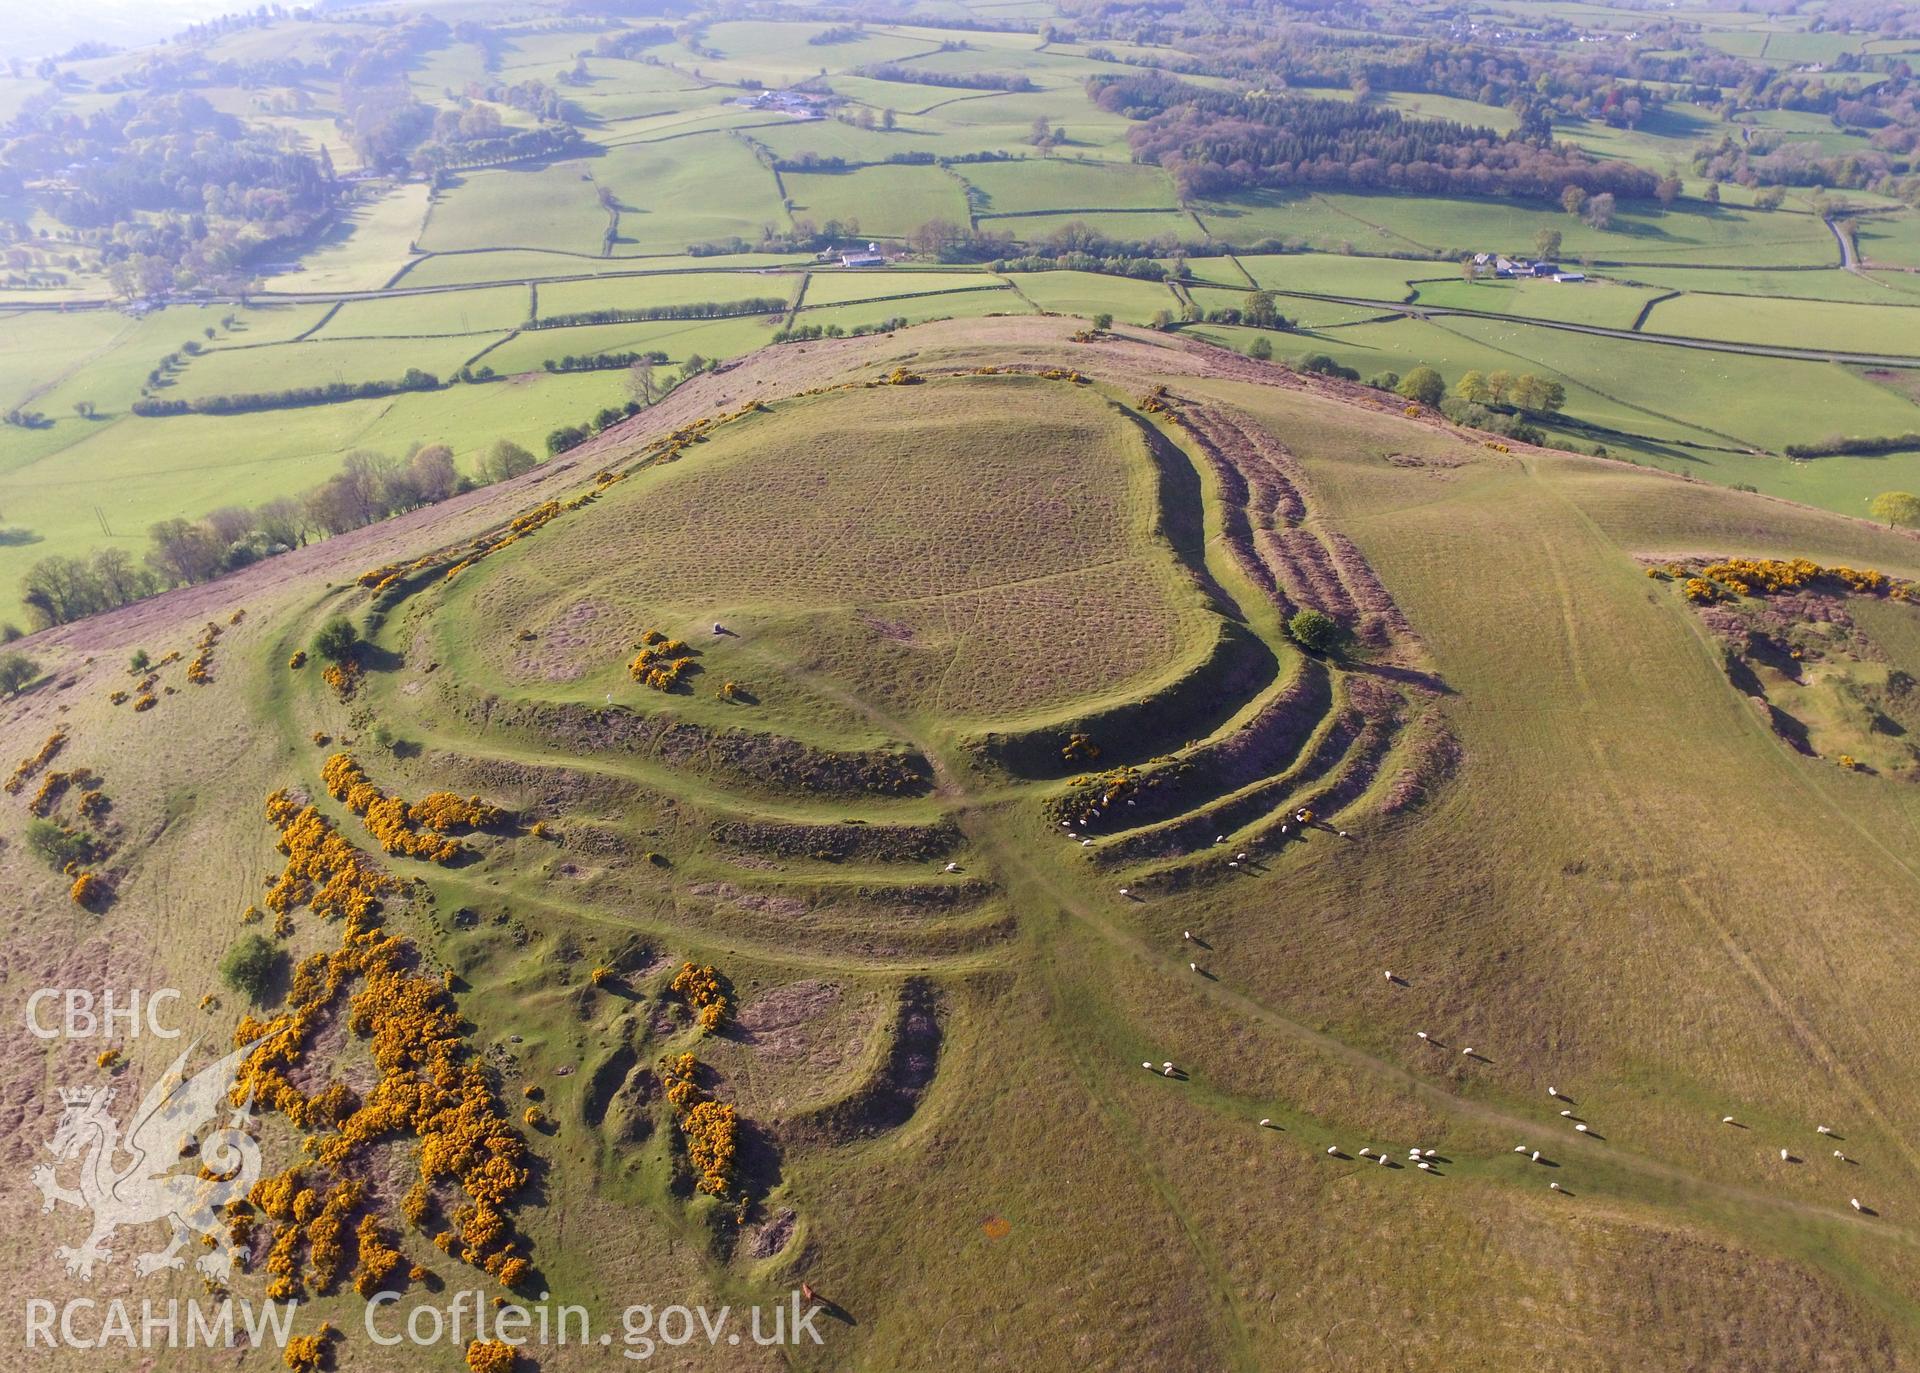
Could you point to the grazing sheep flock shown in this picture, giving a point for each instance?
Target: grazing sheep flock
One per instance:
(1422, 1158)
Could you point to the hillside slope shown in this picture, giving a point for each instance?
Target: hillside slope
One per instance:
(978, 786)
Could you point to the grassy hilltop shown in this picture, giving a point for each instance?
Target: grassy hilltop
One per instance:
(909, 729)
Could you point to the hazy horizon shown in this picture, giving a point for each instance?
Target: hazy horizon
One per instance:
(33, 33)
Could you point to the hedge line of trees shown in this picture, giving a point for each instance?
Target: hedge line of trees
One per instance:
(601, 362)
(706, 309)
(1837, 446)
(803, 333)
(369, 487)
(289, 399)
(966, 81)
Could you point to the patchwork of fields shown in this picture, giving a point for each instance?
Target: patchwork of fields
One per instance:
(667, 229)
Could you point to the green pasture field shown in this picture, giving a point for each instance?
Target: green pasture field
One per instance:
(837, 138)
(961, 122)
(550, 206)
(677, 338)
(1686, 234)
(1335, 274)
(967, 303)
(459, 269)
(318, 362)
(1759, 402)
(888, 202)
(489, 309)
(37, 351)
(671, 124)
(690, 190)
(1089, 294)
(1172, 227)
(779, 53)
(1827, 284)
(1666, 135)
(1892, 240)
(139, 471)
(362, 251)
(833, 287)
(668, 288)
(1887, 328)
(1068, 185)
(1587, 302)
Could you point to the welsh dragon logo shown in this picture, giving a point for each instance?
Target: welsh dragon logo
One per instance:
(137, 1179)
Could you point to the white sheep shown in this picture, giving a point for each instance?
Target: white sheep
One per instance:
(1384, 1161)
(1566, 1113)
(1420, 1034)
(1536, 1156)
(1855, 1203)
(953, 867)
(1168, 1065)
(1147, 1066)
(1553, 1186)
(1242, 857)
(1233, 865)
(1388, 974)
(1126, 891)
(1427, 1153)
(1424, 1164)
(1823, 1129)
(1519, 1148)
(1728, 1120)
(1187, 935)
(1784, 1156)
(1343, 834)
(1265, 1122)
(1581, 1127)
(1193, 967)
(1553, 1091)
(1333, 1148)
(1467, 1052)
(1365, 1152)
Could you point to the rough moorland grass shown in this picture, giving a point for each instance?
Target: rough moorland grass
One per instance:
(1038, 584)
(1537, 863)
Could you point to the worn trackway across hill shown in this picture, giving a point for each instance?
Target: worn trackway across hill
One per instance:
(1411, 310)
